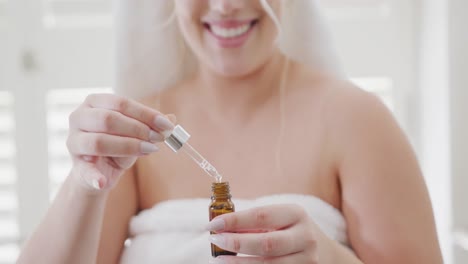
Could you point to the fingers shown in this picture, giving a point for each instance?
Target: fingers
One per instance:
(98, 144)
(270, 244)
(292, 258)
(268, 231)
(125, 162)
(266, 218)
(100, 120)
(113, 126)
(108, 133)
(132, 109)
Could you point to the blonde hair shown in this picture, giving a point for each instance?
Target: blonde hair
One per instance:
(151, 53)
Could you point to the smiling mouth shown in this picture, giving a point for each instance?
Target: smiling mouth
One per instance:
(230, 32)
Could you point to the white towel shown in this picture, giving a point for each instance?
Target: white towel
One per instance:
(172, 232)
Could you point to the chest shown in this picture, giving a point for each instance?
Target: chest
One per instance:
(261, 158)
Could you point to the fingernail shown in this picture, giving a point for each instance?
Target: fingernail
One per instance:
(95, 184)
(155, 136)
(218, 240)
(217, 260)
(172, 118)
(163, 123)
(88, 158)
(147, 147)
(166, 133)
(215, 225)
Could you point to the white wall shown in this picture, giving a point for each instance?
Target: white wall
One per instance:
(434, 122)
(444, 123)
(458, 79)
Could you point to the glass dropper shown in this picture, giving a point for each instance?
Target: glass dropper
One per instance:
(178, 141)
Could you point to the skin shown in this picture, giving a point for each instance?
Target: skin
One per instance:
(351, 154)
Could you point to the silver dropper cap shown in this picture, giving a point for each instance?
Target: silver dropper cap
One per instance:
(177, 138)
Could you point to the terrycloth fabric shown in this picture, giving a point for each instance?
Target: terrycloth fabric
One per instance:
(172, 232)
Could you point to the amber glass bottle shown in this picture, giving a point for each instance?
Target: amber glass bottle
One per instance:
(220, 204)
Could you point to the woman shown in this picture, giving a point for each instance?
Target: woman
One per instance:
(319, 169)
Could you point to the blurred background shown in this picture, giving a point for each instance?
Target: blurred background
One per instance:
(412, 53)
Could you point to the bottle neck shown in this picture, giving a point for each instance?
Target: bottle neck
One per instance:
(220, 191)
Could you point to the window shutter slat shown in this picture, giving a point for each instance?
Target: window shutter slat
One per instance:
(9, 230)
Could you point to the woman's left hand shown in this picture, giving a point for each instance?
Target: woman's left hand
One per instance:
(270, 234)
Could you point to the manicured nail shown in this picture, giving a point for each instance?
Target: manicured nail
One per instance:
(88, 158)
(95, 184)
(218, 240)
(172, 118)
(216, 225)
(163, 123)
(155, 136)
(146, 147)
(217, 260)
(166, 133)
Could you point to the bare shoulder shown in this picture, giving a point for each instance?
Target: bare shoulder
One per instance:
(347, 110)
(163, 100)
(355, 112)
(384, 197)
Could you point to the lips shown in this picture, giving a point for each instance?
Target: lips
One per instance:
(233, 32)
(230, 34)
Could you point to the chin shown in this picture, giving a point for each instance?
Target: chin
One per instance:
(233, 73)
(234, 69)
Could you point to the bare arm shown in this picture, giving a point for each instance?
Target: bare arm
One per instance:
(70, 231)
(78, 222)
(121, 205)
(107, 134)
(385, 200)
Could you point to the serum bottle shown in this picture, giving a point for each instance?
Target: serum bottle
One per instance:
(221, 197)
(220, 204)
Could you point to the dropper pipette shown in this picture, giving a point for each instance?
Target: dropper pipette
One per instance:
(178, 141)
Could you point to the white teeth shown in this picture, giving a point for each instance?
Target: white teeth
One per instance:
(231, 32)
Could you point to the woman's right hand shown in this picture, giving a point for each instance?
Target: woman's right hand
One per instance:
(107, 134)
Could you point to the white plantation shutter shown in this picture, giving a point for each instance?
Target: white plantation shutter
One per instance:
(78, 34)
(9, 230)
(9, 227)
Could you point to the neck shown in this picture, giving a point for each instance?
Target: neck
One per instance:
(240, 96)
